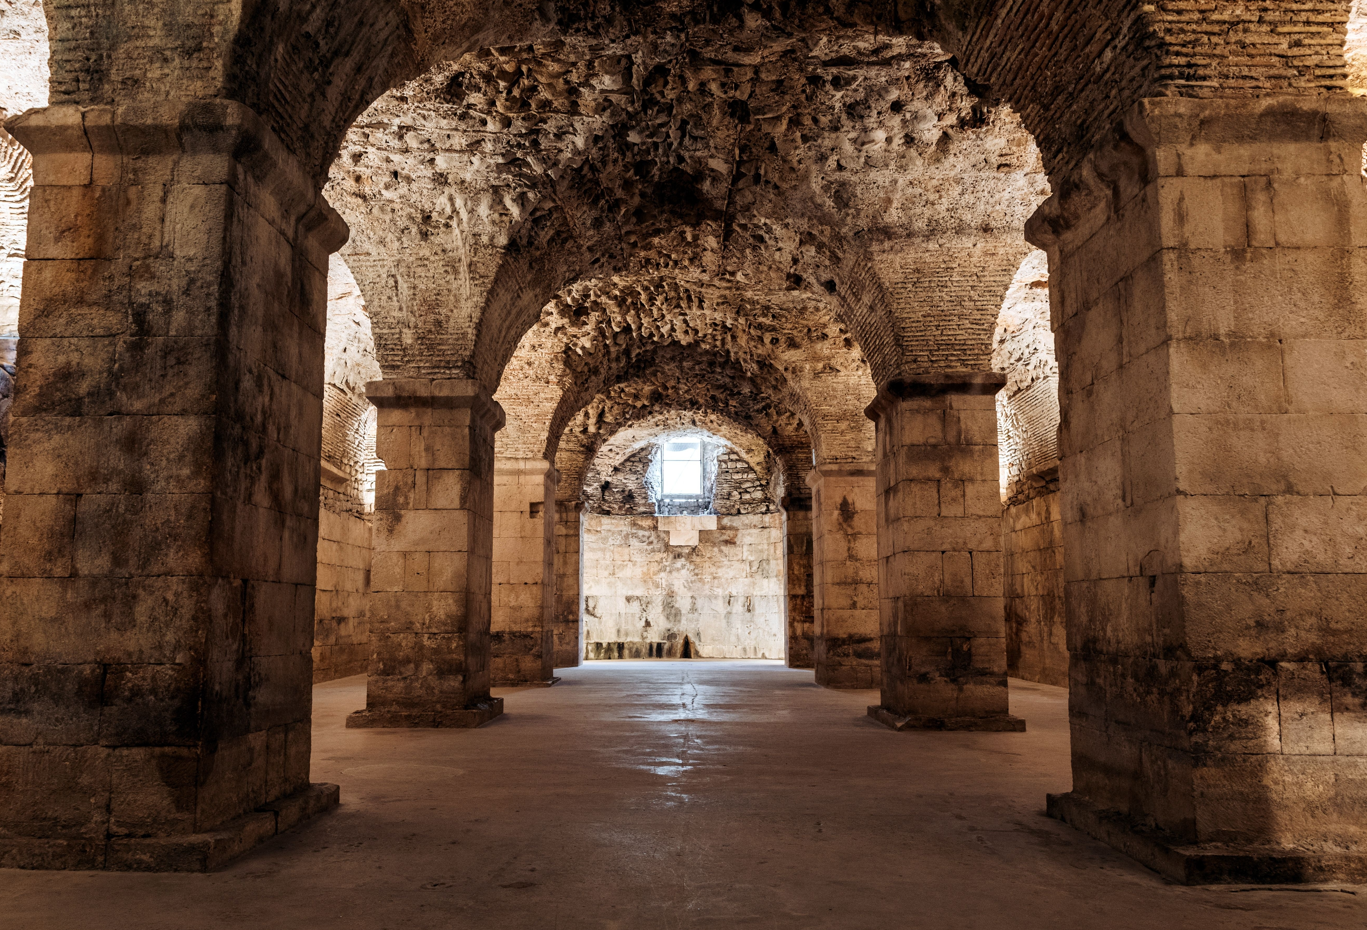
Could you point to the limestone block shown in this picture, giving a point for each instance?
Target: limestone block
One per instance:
(1318, 534)
(1303, 697)
(1325, 375)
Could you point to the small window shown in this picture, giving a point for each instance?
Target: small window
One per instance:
(681, 469)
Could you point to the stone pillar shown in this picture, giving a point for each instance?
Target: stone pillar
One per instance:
(797, 576)
(1207, 277)
(941, 605)
(521, 635)
(157, 581)
(431, 569)
(566, 627)
(844, 576)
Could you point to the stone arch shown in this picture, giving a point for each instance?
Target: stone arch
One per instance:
(637, 434)
(683, 379)
(593, 330)
(1073, 94)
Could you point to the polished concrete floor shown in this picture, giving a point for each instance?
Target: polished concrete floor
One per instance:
(642, 795)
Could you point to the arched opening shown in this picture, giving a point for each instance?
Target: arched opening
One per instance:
(682, 553)
(759, 214)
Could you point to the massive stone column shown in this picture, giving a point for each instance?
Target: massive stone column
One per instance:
(569, 649)
(431, 570)
(941, 607)
(797, 575)
(157, 583)
(1207, 279)
(845, 576)
(521, 631)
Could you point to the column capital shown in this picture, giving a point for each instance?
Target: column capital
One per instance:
(935, 384)
(440, 394)
(841, 470)
(532, 465)
(173, 142)
(1200, 138)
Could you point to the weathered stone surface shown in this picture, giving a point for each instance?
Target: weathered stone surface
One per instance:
(432, 566)
(940, 585)
(1206, 487)
(711, 593)
(199, 575)
(521, 630)
(845, 633)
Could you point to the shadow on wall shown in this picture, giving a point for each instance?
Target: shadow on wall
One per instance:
(670, 648)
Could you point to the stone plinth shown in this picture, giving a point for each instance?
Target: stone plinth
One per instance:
(161, 521)
(845, 576)
(942, 613)
(521, 636)
(1211, 329)
(431, 569)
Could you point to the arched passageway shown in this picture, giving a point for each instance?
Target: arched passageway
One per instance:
(562, 221)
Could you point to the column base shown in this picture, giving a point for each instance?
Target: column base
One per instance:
(546, 683)
(1000, 723)
(1211, 863)
(468, 718)
(193, 852)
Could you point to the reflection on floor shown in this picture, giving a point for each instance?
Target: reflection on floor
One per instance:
(658, 794)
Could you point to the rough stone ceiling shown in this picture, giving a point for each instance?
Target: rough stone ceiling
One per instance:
(749, 158)
(675, 423)
(596, 331)
(685, 380)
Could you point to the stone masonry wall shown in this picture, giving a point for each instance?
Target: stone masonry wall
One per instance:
(797, 569)
(565, 598)
(644, 597)
(520, 636)
(340, 628)
(1032, 554)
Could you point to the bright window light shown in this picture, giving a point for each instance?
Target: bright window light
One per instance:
(681, 469)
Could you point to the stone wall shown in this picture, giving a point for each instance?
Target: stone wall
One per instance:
(1032, 555)
(845, 577)
(797, 573)
(644, 597)
(565, 616)
(340, 628)
(739, 490)
(520, 632)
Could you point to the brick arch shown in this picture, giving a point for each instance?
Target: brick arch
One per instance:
(1073, 83)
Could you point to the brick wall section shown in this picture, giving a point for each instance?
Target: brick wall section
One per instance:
(1032, 566)
(1072, 68)
(626, 492)
(845, 577)
(521, 639)
(946, 300)
(724, 594)
(739, 490)
(340, 628)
